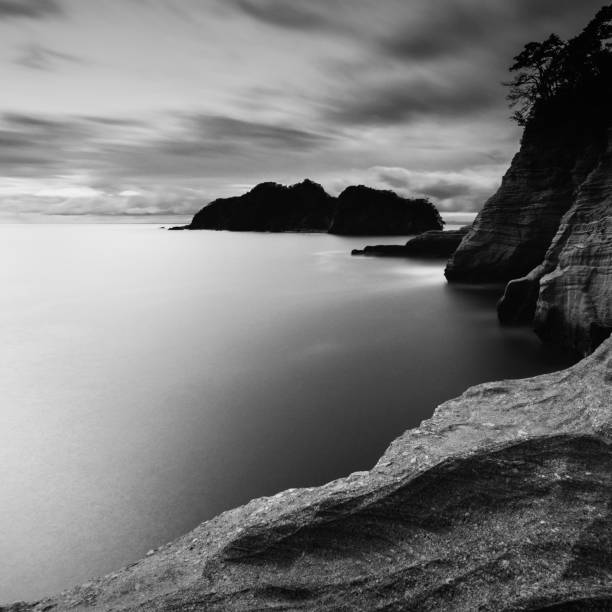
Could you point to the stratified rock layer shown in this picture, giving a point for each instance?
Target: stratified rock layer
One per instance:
(501, 501)
(513, 231)
(574, 306)
(306, 207)
(434, 243)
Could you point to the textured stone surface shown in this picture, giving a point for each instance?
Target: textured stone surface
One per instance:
(434, 243)
(574, 305)
(306, 207)
(518, 303)
(513, 231)
(501, 501)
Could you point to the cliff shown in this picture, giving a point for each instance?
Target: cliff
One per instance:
(574, 304)
(568, 295)
(512, 233)
(434, 244)
(306, 207)
(499, 502)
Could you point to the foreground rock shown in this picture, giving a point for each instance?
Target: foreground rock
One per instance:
(501, 501)
(434, 243)
(306, 207)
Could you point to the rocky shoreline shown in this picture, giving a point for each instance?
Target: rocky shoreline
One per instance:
(500, 501)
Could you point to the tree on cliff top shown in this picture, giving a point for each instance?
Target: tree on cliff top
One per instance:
(553, 68)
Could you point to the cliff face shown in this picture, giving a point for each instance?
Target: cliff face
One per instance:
(512, 233)
(499, 502)
(574, 305)
(306, 207)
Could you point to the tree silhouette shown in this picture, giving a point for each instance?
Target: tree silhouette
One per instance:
(555, 69)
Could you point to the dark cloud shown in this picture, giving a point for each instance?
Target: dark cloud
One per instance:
(408, 101)
(114, 121)
(454, 56)
(293, 15)
(38, 57)
(227, 129)
(120, 147)
(497, 28)
(33, 9)
(439, 33)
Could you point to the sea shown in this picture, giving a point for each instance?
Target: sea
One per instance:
(150, 379)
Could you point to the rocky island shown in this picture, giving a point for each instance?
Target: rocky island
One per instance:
(502, 500)
(307, 207)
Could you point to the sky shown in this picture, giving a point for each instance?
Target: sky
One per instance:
(144, 107)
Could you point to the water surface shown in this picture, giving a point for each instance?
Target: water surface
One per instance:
(151, 379)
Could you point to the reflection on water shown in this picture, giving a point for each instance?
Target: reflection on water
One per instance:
(152, 379)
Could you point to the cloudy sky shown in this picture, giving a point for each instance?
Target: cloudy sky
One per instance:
(157, 106)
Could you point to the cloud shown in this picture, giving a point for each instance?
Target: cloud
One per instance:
(497, 27)
(413, 99)
(141, 202)
(465, 190)
(38, 57)
(435, 33)
(138, 166)
(33, 9)
(245, 133)
(293, 15)
(397, 94)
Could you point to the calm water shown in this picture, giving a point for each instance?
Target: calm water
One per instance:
(151, 379)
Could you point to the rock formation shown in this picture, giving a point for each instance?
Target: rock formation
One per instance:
(500, 502)
(306, 207)
(365, 211)
(434, 243)
(548, 228)
(574, 306)
(270, 207)
(512, 233)
(568, 295)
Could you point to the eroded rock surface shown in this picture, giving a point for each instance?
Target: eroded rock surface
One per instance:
(512, 233)
(501, 501)
(574, 306)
